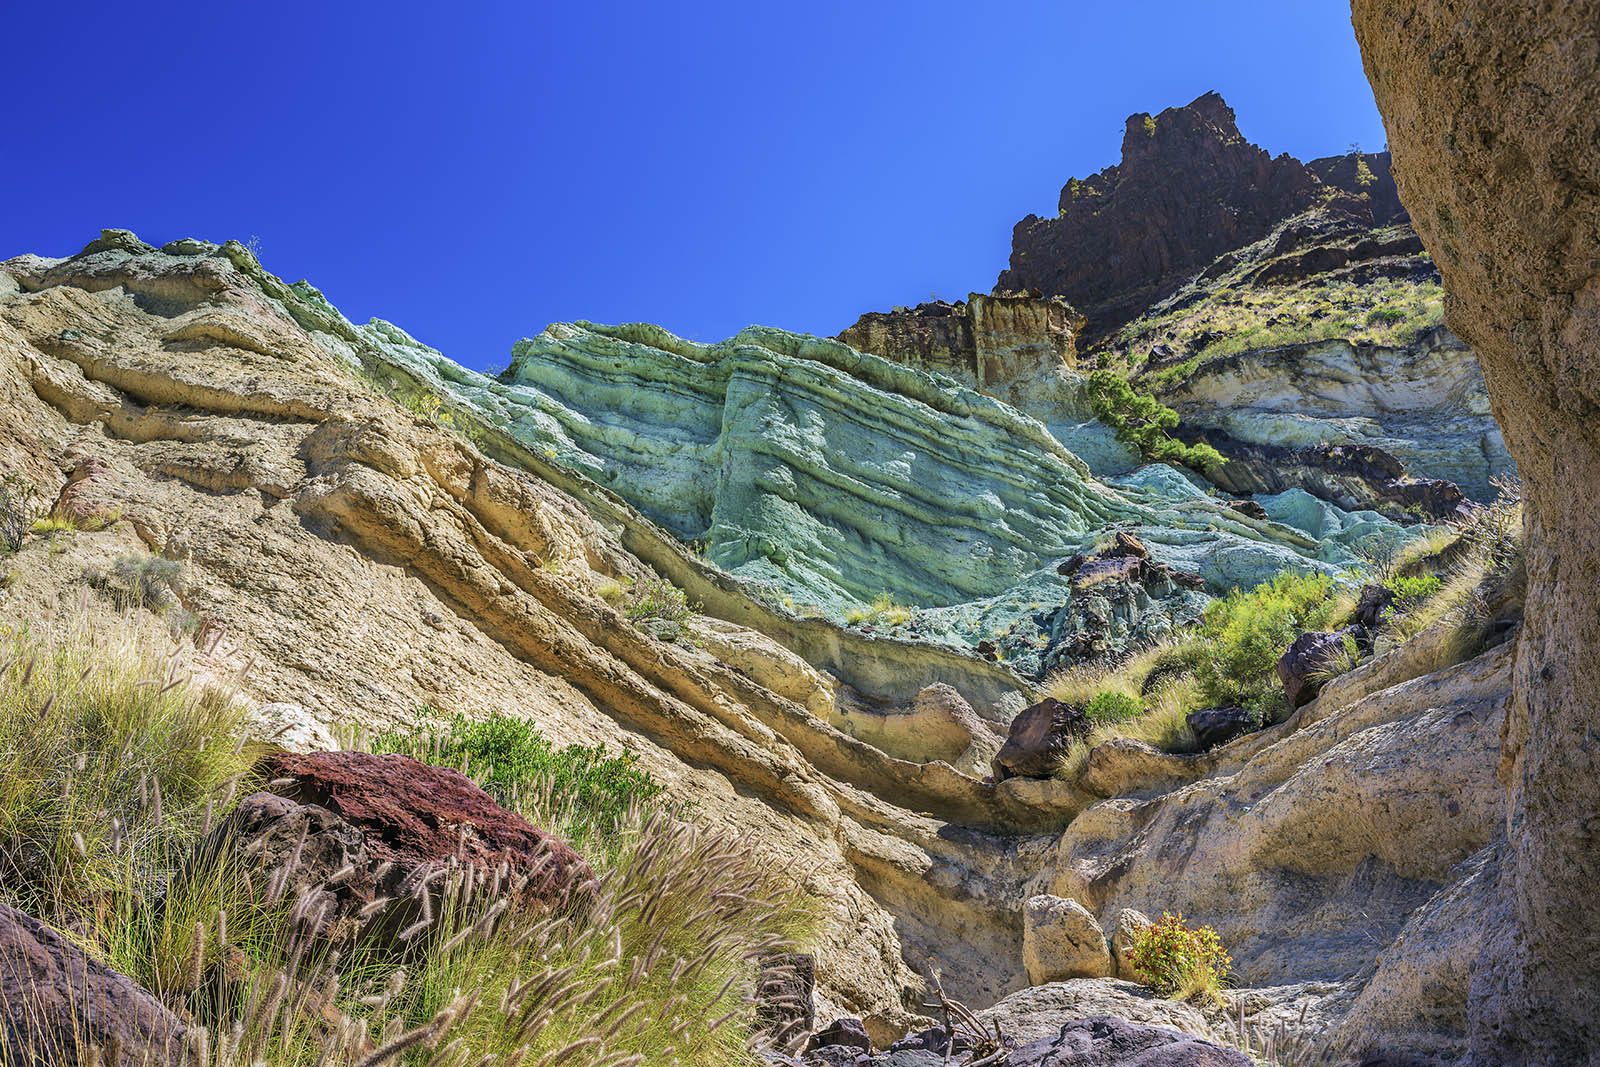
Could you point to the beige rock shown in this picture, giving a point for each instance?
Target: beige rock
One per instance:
(1040, 1010)
(1493, 111)
(1128, 924)
(1061, 939)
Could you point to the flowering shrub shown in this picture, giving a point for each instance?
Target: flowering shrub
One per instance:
(1177, 961)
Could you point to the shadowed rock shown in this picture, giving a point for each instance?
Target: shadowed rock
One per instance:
(1493, 110)
(57, 1004)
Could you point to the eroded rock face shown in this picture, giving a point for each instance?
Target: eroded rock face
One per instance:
(983, 341)
(1423, 403)
(57, 1004)
(1188, 189)
(1493, 111)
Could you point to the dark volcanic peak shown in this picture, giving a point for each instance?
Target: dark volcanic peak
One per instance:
(1189, 189)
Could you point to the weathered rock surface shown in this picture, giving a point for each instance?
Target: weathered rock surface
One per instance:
(1494, 114)
(419, 819)
(1061, 940)
(1106, 1041)
(983, 341)
(59, 1006)
(1307, 663)
(1039, 737)
(1188, 189)
(1039, 1012)
(1423, 402)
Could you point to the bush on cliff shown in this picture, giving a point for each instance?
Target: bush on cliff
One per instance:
(1140, 421)
(1178, 961)
(1247, 631)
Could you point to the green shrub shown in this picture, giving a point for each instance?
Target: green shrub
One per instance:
(1247, 632)
(1411, 590)
(657, 598)
(1177, 961)
(514, 762)
(1109, 706)
(1140, 421)
(107, 753)
(140, 580)
(883, 611)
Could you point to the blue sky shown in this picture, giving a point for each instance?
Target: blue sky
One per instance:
(475, 171)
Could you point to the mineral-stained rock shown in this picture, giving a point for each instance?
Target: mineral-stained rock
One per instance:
(419, 818)
(60, 1007)
(1061, 940)
(1493, 110)
(1305, 666)
(1106, 1041)
(1216, 726)
(1039, 737)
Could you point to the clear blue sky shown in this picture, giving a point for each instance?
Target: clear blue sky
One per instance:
(474, 171)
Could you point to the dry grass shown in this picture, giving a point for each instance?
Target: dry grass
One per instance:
(1163, 726)
(119, 766)
(883, 611)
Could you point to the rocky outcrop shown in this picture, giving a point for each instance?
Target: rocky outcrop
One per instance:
(412, 820)
(1189, 188)
(1494, 114)
(982, 341)
(61, 1007)
(1423, 403)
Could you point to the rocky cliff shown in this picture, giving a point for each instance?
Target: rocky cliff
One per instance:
(1494, 111)
(364, 559)
(1188, 189)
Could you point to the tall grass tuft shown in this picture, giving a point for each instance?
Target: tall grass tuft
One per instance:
(110, 753)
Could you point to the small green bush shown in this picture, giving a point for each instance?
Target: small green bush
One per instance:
(1247, 633)
(1177, 961)
(1411, 590)
(1140, 421)
(883, 611)
(657, 598)
(514, 761)
(1110, 706)
(140, 580)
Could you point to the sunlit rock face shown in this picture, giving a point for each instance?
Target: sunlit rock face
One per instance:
(833, 476)
(1423, 402)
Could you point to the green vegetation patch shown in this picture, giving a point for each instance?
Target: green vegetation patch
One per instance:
(1140, 421)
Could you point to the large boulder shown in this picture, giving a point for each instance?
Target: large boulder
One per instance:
(1493, 110)
(60, 1007)
(1106, 1041)
(1039, 737)
(1216, 726)
(1306, 665)
(420, 818)
(1061, 940)
(1039, 1012)
(340, 830)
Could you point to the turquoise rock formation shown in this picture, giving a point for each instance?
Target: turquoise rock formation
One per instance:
(831, 477)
